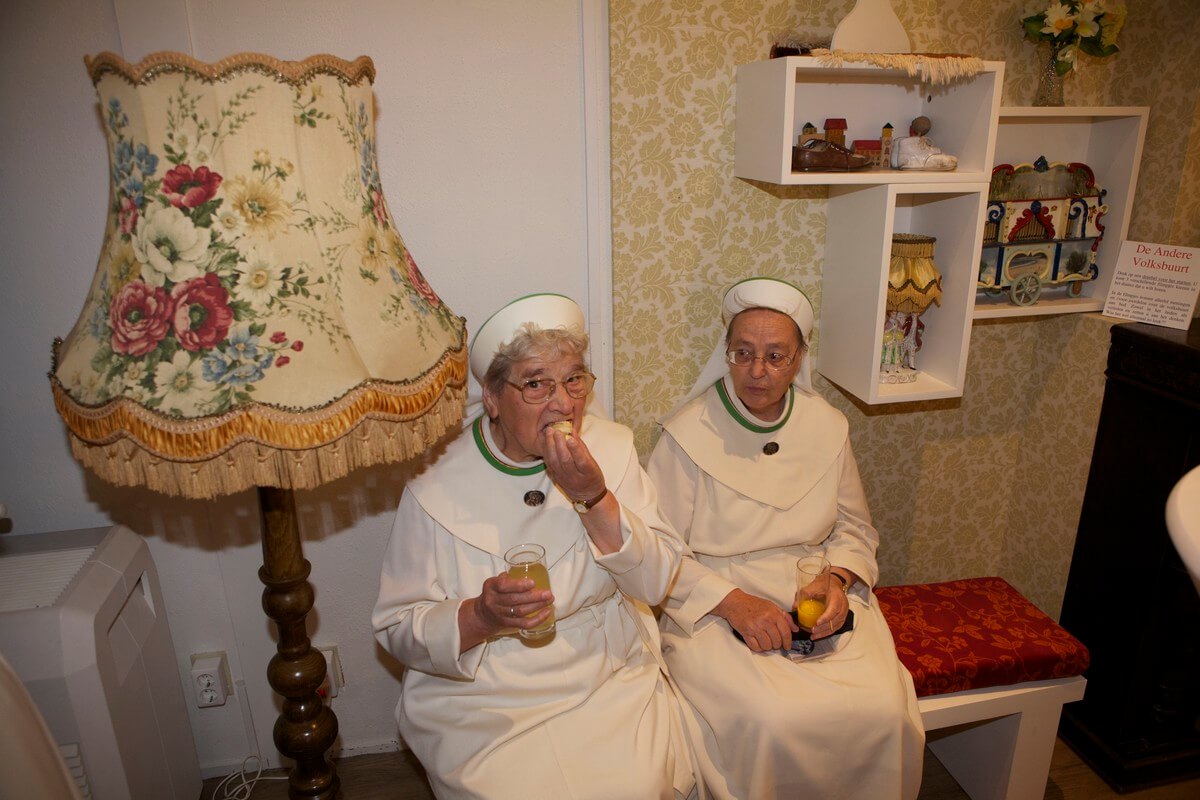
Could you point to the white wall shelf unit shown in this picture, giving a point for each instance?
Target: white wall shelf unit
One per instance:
(858, 239)
(776, 98)
(1110, 141)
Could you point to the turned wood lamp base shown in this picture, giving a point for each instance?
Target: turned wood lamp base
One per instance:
(306, 728)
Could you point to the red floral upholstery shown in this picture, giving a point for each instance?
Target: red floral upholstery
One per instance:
(974, 633)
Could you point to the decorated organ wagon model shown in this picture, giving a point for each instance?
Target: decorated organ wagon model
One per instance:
(1042, 228)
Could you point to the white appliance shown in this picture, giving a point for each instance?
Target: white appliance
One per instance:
(1183, 522)
(31, 765)
(83, 625)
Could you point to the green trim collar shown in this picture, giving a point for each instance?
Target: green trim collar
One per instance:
(746, 423)
(493, 459)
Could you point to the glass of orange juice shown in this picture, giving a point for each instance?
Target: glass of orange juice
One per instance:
(529, 561)
(811, 586)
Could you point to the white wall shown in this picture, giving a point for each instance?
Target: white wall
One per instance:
(493, 147)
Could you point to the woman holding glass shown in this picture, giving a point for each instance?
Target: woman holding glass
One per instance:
(495, 702)
(755, 470)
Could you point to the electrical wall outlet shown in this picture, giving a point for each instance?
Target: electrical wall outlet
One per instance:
(210, 679)
(334, 679)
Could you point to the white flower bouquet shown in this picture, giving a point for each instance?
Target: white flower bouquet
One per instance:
(1072, 25)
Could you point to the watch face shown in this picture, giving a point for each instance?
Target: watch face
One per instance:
(584, 506)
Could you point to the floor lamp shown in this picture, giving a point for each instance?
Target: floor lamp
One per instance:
(255, 319)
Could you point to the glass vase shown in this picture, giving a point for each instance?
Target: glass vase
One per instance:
(1050, 83)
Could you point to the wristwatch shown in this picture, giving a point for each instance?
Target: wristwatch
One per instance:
(841, 579)
(584, 506)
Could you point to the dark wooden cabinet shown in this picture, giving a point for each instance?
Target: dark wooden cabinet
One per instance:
(1128, 597)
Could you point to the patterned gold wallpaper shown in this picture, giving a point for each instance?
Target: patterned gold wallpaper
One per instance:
(989, 484)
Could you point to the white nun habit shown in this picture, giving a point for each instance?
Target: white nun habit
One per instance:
(751, 497)
(587, 714)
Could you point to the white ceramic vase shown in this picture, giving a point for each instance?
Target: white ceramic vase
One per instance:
(871, 27)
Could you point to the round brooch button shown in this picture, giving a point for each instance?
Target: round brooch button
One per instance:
(534, 498)
(770, 448)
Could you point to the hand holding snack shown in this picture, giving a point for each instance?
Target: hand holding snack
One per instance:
(570, 464)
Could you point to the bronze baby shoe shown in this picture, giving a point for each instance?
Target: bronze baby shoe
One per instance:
(822, 155)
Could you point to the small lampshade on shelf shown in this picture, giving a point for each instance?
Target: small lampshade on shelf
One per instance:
(914, 284)
(255, 319)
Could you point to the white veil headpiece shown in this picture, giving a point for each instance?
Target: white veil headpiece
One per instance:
(772, 293)
(546, 310)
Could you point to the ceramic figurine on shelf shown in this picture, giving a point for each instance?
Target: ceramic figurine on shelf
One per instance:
(890, 363)
(902, 338)
(916, 151)
(914, 284)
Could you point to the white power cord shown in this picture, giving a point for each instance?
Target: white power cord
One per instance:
(244, 785)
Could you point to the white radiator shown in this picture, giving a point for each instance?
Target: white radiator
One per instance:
(82, 623)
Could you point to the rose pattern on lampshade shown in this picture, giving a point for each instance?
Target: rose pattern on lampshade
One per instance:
(253, 290)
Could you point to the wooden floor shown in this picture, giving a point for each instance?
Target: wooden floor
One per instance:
(398, 776)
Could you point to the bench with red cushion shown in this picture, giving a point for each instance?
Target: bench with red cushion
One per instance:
(975, 633)
(992, 673)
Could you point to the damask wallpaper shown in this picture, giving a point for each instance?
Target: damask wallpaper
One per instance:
(987, 485)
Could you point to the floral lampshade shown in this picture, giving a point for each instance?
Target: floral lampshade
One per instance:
(255, 318)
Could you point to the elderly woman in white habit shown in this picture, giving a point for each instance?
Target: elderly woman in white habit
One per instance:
(585, 711)
(755, 471)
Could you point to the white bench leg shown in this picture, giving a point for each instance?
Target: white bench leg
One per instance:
(1001, 759)
(996, 755)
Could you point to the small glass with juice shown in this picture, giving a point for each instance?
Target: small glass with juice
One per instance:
(529, 561)
(811, 587)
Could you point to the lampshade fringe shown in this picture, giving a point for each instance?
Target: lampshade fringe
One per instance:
(250, 464)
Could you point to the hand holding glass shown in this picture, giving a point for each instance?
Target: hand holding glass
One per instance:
(529, 561)
(811, 586)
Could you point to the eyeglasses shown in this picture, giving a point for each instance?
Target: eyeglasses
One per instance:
(774, 361)
(539, 390)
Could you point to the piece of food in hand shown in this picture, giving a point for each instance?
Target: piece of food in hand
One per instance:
(564, 427)
(809, 611)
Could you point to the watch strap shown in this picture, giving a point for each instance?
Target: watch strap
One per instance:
(583, 506)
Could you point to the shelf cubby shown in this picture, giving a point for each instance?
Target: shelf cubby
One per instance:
(1109, 140)
(776, 98)
(858, 239)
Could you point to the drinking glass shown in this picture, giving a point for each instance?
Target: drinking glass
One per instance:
(529, 561)
(811, 587)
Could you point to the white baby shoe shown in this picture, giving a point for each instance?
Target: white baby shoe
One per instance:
(917, 152)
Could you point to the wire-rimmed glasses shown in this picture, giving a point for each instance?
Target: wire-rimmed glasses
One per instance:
(746, 358)
(539, 390)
